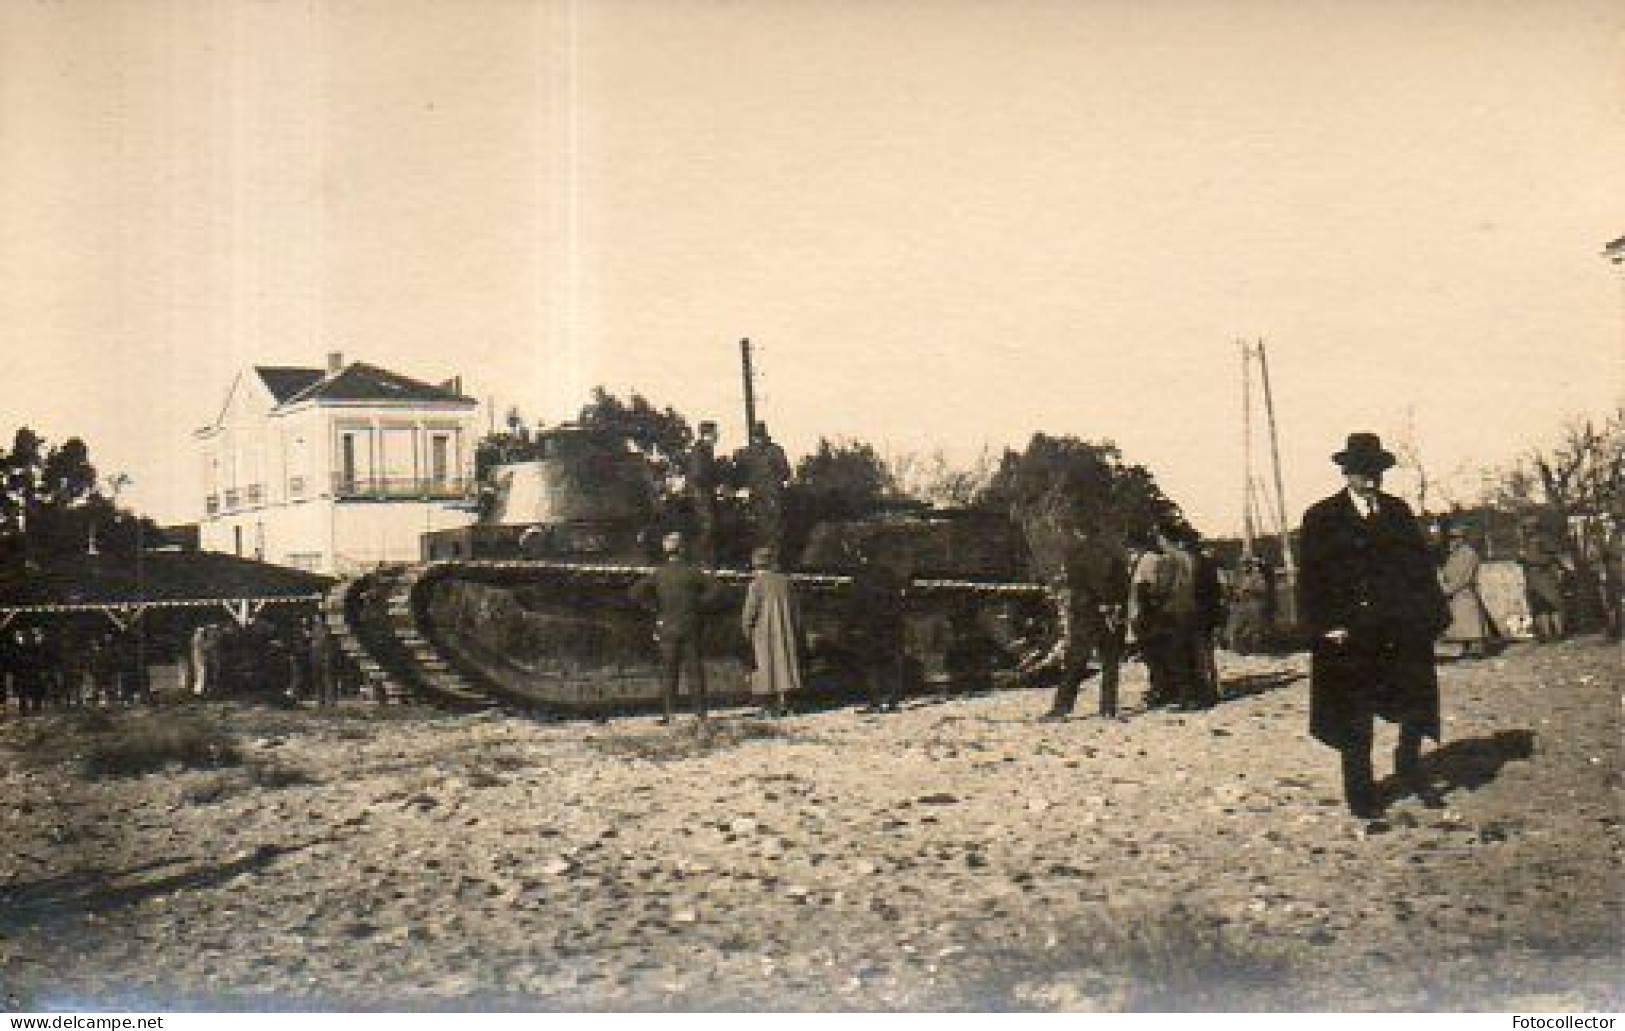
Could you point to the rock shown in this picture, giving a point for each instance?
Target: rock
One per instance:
(557, 867)
(743, 825)
(1038, 805)
(685, 916)
(938, 798)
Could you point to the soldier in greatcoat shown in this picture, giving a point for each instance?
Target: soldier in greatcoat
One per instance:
(1370, 600)
(1469, 620)
(772, 623)
(681, 596)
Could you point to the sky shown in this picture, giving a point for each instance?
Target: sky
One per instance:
(943, 223)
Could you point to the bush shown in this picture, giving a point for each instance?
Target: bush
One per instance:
(147, 746)
(1168, 962)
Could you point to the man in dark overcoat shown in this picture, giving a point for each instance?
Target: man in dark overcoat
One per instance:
(876, 607)
(767, 472)
(681, 596)
(1371, 602)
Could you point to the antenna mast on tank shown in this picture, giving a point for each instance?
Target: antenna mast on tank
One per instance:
(750, 389)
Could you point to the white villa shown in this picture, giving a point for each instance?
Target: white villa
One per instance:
(335, 470)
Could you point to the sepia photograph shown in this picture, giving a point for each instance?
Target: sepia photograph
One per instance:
(812, 506)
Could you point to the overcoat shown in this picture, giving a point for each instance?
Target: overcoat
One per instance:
(1374, 577)
(1459, 580)
(772, 621)
(681, 596)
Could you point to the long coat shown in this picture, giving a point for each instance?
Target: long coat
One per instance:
(772, 621)
(1375, 578)
(1459, 581)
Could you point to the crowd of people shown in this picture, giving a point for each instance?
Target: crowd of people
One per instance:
(67, 666)
(43, 665)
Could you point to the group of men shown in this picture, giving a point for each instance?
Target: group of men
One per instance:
(67, 666)
(1369, 595)
(683, 596)
(1169, 613)
(766, 470)
(260, 659)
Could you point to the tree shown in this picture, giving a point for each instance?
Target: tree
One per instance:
(51, 504)
(1072, 498)
(843, 478)
(933, 478)
(661, 435)
(513, 444)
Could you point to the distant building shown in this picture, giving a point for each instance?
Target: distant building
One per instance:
(335, 470)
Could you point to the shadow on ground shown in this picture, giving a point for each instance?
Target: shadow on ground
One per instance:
(102, 891)
(1234, 688)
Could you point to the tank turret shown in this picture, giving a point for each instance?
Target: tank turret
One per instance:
(584, 496)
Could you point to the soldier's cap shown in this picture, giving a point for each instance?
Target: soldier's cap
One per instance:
(672, 543)
(1364, 453)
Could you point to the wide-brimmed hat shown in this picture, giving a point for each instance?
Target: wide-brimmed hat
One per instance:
(764, 557)
(672, 543)
(1364, 453)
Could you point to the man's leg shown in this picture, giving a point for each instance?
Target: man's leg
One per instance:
(1408, 754)
(897, 672)
(696, 660)
(1359, 782)
(705, 515)
(1163, 690)
(671, 667)
(1066, 693)
(1111, 664)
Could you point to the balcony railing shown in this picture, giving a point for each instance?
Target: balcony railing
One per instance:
(402, 488)
(296, 487)
(256, 494)
(211, 504)
(231, 500)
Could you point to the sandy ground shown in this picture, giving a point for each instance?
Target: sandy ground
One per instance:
(958, 855)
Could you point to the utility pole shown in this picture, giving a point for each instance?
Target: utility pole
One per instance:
(1247, 525)
(750, 390)
(1280, 493)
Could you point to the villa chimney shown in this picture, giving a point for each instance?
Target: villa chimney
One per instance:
(453, 385)
(335, 362)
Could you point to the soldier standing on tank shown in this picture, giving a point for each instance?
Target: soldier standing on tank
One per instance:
(767, 471)
(681, 596)
(700, 480)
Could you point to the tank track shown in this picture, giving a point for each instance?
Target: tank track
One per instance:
(385, 622)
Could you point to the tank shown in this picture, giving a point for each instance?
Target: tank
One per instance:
(529, 608)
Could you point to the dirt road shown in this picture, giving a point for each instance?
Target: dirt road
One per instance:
(958, 855)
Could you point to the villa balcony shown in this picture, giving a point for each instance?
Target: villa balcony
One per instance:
(400, 488)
